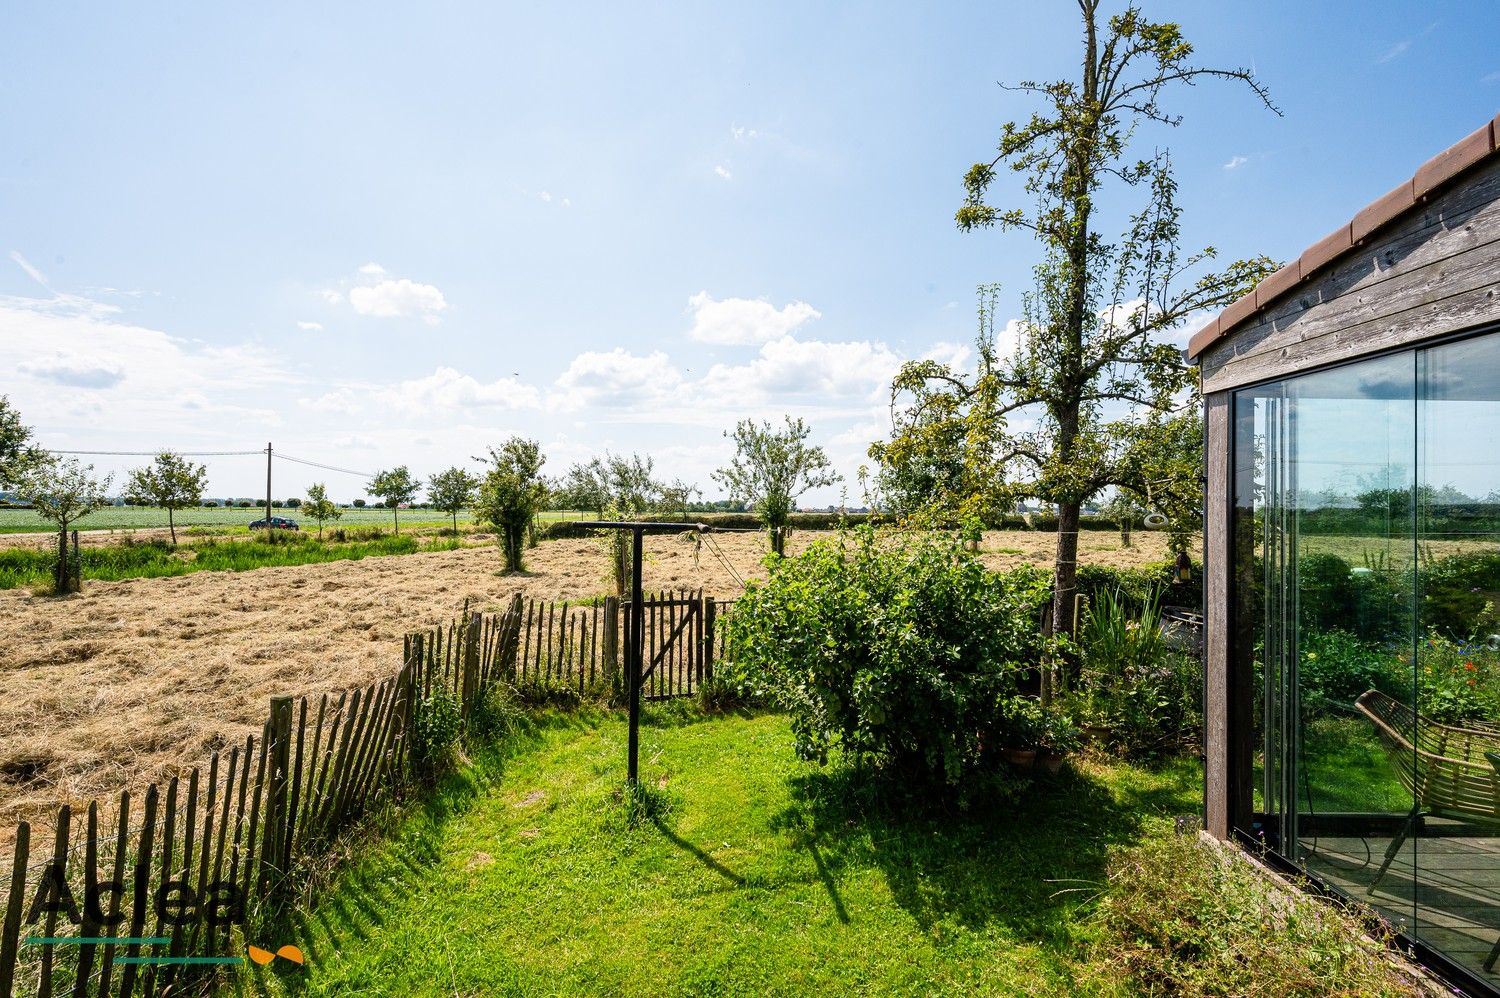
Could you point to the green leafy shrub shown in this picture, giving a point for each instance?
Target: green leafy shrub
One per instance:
(497, 714)
(1024, 723)
(1336, 667)
(1134, 685)
(1459, 593)
(903, 655)
(1457, 681)
(435, 730)
(1371, 601)
(1156, 581)
(718, 695)
(1181, 917)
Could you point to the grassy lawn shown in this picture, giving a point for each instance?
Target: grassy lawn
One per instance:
(524, 876)
(24, 521)
(1346, 769)
(111, 563)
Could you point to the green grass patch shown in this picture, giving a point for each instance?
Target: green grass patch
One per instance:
(734, 870)
(32, 567)
(24, 521)
(1345, 769)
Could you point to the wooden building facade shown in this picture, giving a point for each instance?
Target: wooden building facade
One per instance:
(1352, 560)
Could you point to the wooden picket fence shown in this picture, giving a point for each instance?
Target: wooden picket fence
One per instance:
(142, 892)
(581, 646)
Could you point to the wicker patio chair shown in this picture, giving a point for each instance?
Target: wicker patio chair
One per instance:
(1451, 772)
(1442, 766)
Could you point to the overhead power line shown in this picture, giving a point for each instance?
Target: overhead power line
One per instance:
(153, 453)
(317, 464)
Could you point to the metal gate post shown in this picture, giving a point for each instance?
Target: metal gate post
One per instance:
(634, 653)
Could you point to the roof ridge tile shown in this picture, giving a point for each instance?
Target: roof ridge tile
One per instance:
(1467, 152)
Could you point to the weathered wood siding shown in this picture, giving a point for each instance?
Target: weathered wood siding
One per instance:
(1219, 779)
(1432, 273)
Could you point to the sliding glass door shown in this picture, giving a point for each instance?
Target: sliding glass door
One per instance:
(1368, 578)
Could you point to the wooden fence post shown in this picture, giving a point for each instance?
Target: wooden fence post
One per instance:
(408, 685)
(14, 906)
(471, 663)
(612, 640)
(60, 577)
(280, 736)
(710, 614)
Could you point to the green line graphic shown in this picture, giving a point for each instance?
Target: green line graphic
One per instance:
(180, 959)
(97, 940)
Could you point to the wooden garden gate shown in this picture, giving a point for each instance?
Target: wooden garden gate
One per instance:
(678, 650)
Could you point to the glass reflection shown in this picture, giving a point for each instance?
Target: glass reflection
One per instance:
(1367, 538)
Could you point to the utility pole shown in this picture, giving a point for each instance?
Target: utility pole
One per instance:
(268, 485)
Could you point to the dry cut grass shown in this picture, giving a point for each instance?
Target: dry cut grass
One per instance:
(133, 681)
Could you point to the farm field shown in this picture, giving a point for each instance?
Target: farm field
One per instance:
(761, 877)
(115, 519)
(135, 680)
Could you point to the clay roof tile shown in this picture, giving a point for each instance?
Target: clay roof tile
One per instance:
(1278, 283)
(1327, 249)
(1451, 161)
(1382, 210)
(1466, 152)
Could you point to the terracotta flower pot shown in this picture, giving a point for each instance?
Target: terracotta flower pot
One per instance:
(1020, 758)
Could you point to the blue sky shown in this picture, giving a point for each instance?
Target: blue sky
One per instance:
(381, 234)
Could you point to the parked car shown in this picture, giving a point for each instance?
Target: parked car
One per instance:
(275, 523)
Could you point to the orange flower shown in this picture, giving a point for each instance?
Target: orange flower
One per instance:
(1469, 666)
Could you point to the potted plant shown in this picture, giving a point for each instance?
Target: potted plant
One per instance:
(1023, 729)
(1058, 737)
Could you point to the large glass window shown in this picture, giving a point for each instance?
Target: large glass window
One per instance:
(1368, 544)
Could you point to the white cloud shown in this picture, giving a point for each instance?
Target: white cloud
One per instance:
(615, 378)
(311, 327)
(743, 134)
(403, 298)
(723, 171)
(73, 371)
(1008, 342)
(566, 203)
(31, 272)
(789, 369)
(1489, 78)
(124, 377)
(1396, 51)
(955, 355)
(546, 196)
(745, 321)
(1235, 162)
(377, 294)
(446, 390)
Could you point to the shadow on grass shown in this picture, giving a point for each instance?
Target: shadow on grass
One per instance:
(697, 853)
(686, 711)
(1025, 858)
(374, 869)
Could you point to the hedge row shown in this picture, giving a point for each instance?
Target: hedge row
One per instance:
(1044, 523)
(1137, 584)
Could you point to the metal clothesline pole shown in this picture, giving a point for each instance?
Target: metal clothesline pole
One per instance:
(635, 647)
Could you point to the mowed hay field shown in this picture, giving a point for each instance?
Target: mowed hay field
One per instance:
(135, 680)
